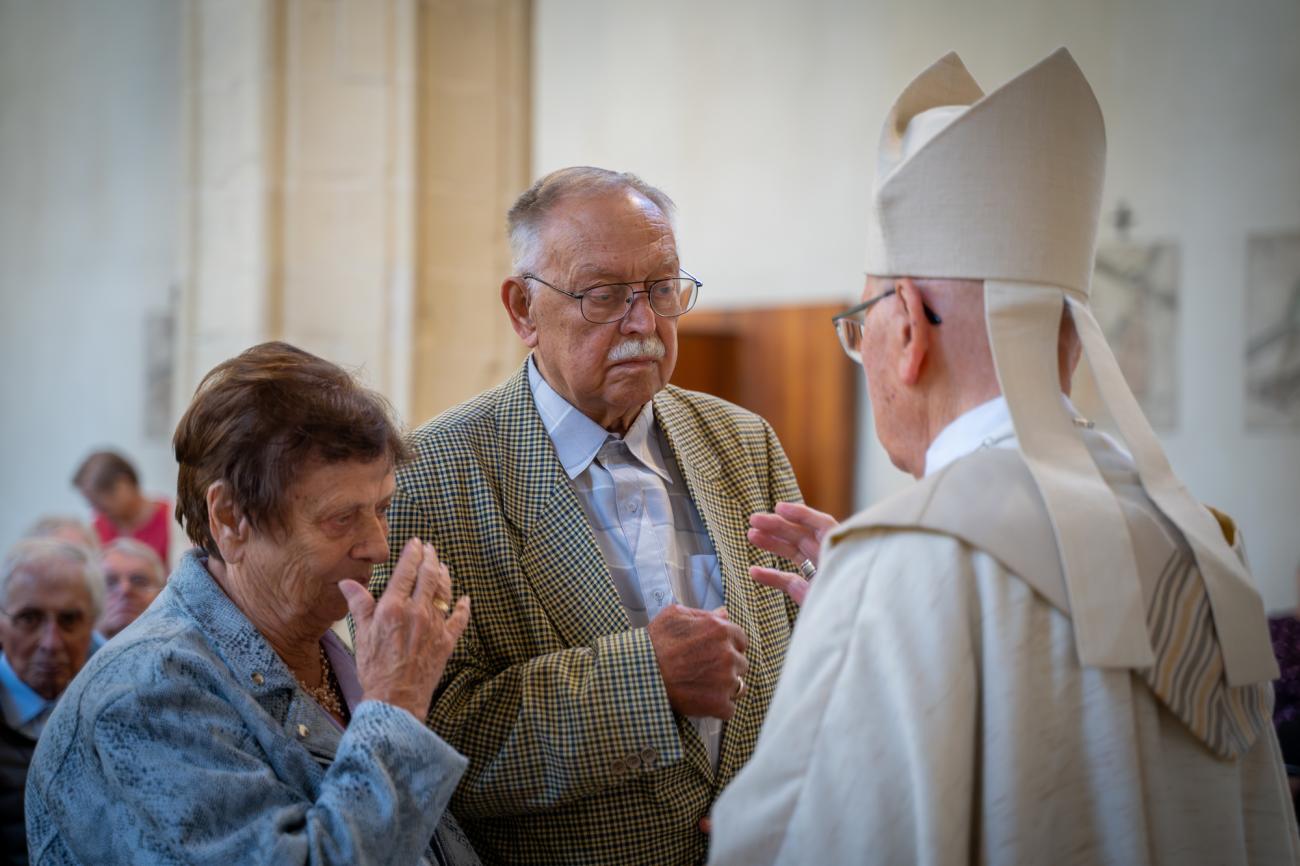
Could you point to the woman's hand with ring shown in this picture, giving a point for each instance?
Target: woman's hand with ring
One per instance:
(402, 645)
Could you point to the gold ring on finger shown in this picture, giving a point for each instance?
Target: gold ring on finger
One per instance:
(442, 605)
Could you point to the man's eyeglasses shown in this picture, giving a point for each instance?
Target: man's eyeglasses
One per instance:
(848, 324)
(610, 302)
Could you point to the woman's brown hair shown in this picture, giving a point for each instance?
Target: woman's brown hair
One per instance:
(257, 418)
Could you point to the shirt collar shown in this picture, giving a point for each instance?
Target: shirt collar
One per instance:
(987, 423)
(644, 445)
(21, 703)
(578, 439)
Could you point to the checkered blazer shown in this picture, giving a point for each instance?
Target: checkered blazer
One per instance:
(575, 754)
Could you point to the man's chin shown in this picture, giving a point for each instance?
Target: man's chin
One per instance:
(635, 388)
(48, 682)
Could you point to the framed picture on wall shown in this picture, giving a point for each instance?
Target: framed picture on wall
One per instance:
(1273, 331)
(1135, 300)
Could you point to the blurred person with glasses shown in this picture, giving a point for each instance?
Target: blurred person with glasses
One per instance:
(133, 577)
(51, 592)
(1045, 650)
(596, 514)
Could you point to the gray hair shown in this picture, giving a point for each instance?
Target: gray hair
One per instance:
(30, 554)
(528, 214)
(140, 550)
(49, 526)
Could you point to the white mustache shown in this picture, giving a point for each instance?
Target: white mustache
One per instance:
(642, 347)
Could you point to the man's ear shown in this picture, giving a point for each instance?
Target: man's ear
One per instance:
(915, 343)
(229, 526)
(518, 303)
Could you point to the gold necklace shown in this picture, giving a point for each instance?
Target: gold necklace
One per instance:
(327, 693)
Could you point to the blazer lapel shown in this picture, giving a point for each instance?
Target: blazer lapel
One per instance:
(558, 551)
(725, 511)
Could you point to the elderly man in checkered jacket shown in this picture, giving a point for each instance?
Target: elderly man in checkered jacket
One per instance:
(620, 658)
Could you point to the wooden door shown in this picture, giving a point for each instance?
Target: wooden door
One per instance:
(785, 364)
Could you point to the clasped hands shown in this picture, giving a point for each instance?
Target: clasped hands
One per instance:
(701, 653)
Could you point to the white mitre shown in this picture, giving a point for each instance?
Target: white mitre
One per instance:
(1006, 188)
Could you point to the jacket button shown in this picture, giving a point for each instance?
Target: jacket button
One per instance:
(633, 761)
(302, 731)
(648, 756)
(258, 679)
(618, 767)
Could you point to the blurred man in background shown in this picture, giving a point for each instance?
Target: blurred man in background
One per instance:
(51, 593)
(133, 577)
(111, 485)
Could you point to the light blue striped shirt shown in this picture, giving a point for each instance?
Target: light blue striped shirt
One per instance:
(646, 524)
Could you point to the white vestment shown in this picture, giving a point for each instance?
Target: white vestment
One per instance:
(933, 710)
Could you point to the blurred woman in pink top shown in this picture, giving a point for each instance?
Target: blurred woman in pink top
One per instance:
(112, 487)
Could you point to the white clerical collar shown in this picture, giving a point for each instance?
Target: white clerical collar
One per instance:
(578, 439)
(988, 425)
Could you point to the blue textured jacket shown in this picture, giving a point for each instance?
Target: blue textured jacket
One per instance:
(187, 740)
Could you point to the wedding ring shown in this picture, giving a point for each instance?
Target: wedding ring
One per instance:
(740, 688)
(443, 606)
(807, 569)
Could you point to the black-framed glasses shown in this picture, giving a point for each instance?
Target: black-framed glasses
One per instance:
(610, 302)
(848, 324)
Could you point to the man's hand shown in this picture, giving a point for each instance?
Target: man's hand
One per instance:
(404, 638)
(701, 657)
(794, 532)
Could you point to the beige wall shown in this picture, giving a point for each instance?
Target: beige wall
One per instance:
(761, 120)
(90, 224)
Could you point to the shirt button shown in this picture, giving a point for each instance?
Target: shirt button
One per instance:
(258, 679)
(302, 731)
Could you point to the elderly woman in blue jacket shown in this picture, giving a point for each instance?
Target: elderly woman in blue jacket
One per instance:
(229, 724)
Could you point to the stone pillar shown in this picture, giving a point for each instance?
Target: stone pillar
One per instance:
(350, 166)
(347, 207)
(474, 159)
(228, 299)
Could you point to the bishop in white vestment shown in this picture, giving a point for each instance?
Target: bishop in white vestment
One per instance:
(1044, 651)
